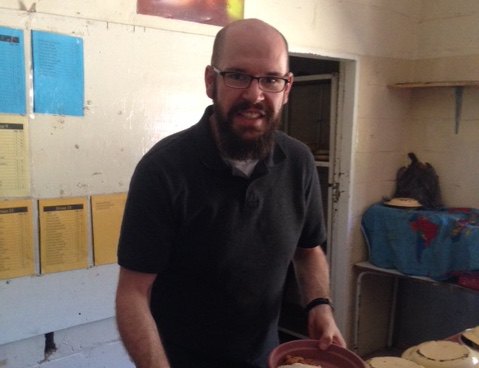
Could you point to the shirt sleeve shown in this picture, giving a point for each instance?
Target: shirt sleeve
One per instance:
(148, 226)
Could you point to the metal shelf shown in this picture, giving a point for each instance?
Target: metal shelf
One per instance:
(436, 84)
(458, 92)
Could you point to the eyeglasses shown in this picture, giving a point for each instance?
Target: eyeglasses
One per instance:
(240, 80)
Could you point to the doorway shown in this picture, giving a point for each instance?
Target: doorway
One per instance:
(311, 117)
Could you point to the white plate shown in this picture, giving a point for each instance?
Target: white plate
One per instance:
(392, 362)
(403, 202)
(442, 354)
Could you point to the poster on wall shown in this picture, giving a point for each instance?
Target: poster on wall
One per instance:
(63, 234)
(58, 81)
(215, 12)
(107, 214)
(14, 158)
(12, 71)
(16, 239)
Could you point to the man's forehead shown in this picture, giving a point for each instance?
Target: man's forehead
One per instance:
(252, 32)
(268, 48)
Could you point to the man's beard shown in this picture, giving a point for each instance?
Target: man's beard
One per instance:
(232, 145)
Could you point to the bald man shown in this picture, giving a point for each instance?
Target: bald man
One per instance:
(216, 214)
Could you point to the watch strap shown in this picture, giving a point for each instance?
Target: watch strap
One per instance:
(318, 301)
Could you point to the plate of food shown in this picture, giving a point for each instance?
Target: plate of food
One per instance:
(306, 354)
(442, 354)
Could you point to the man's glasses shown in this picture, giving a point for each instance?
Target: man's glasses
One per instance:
(242, 80)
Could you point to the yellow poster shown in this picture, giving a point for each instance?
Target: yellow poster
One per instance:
(16, 239)
(14, 162)
(63, 234)
(107, 214)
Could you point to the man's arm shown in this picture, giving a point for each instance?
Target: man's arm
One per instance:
(135, 322)
(312, 273)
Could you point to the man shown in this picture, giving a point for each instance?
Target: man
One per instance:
(216, 213)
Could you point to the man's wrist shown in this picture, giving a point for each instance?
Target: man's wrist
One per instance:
(316, 302)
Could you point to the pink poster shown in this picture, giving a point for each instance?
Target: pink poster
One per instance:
(216, 12)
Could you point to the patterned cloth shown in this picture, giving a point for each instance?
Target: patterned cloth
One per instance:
(436, 244)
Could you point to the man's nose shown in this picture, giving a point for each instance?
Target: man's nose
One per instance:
(254, 93)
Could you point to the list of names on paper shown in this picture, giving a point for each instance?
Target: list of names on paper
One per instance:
(16, 239)
(58, 74)
(107, 213)
(12, 71)
(14, 167)
(63, 234)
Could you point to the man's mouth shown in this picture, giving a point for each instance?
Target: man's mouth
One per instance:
(252, 114)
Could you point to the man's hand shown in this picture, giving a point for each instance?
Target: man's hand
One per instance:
(322, 327)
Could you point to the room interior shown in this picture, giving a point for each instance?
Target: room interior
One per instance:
(397, 66)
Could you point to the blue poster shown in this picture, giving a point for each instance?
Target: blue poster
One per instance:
(12, 72)
(58, 79)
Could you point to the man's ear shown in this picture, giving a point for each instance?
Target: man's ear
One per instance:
(210, 77)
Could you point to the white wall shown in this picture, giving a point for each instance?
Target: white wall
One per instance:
(144, 81)
(449, 50)
(141, 84)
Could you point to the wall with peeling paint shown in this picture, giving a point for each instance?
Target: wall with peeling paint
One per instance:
(141, 85)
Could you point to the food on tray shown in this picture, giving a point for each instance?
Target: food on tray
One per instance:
(299, 362)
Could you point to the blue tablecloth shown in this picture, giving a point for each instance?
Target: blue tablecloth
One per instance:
(435, 244)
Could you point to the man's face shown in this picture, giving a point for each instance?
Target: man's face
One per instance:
(245, 119)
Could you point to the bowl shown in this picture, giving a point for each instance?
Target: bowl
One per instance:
(333, 357)
(442, 354)
(392, 362)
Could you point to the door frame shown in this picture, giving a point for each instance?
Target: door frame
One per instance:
(340, 235)
(333, 185)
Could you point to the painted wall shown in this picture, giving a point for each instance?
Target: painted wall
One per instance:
(144, 80)
(449, 50)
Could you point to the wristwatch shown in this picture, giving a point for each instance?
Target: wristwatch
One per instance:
(318, 301)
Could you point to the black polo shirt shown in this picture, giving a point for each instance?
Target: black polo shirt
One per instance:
(220, 244)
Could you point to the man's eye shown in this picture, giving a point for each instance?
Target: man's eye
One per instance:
(237, 76)
(271, 80)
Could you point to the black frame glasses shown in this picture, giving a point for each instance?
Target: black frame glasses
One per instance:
(239, 80)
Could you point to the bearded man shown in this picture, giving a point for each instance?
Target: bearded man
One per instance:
(214, 217)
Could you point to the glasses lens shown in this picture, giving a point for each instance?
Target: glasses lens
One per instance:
(237, 80)
(272, 84)
(242, 80)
